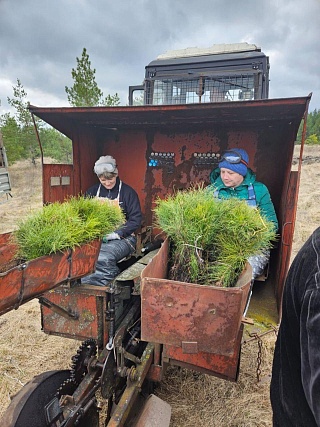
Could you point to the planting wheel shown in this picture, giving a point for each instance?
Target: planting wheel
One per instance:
(27, 406)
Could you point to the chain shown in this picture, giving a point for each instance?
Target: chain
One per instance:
(259, 357)
(256, 336)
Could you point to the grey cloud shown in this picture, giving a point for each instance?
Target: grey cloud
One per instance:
(41, 39)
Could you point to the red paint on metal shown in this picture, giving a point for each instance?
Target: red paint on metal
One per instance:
(158, 266)
(60, 175)
(88, 302)
(31, 279)
(289, 214)
(267, 129)
(155, 373)
(226, 367)
(7, 249)
(190, 317)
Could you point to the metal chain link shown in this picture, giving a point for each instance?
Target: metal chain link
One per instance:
(259, 357)
(256, 336)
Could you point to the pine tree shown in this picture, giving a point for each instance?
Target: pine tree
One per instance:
(85, 91)
(21, 125)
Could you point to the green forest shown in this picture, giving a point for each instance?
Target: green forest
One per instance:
(313, 128)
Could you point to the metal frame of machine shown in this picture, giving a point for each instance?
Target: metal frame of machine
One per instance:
(159, 150)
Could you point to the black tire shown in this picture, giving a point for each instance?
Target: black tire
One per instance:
(27, 406)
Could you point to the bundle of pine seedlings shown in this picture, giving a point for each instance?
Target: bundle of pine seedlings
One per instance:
(59, 226)
(211, 239)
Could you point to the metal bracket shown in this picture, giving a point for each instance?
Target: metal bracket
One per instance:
(68, 314)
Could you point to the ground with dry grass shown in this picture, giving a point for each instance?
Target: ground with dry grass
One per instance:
(196, 399)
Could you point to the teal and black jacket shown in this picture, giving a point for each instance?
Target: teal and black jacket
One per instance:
(244, 192)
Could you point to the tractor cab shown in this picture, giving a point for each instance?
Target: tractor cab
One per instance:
(221, 73)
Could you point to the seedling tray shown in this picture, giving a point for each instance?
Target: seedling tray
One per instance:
(27, 280)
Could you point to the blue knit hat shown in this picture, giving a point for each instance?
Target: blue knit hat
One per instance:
(240, 168)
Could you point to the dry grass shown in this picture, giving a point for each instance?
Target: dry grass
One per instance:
(196, 399)
(26, 184)
(25, 351)
(203, 400)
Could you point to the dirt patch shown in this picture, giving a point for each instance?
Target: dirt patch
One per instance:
(196, 399)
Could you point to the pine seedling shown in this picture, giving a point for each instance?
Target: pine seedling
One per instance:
(212, 239)
(60, 226)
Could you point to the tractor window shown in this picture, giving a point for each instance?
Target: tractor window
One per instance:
(138, 96)
(240, 87)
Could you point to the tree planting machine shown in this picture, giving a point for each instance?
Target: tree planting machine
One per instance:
(143, 322)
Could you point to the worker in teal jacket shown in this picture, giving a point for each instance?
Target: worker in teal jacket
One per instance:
(234, 178)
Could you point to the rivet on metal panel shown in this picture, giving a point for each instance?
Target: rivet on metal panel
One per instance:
(169, 302)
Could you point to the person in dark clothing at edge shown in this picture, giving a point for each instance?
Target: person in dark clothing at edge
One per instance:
(122, 242)
(295, 383)
(234, 178)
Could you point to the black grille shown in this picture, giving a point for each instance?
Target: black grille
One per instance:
(166, 91)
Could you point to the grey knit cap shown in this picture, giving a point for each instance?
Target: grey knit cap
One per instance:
(105, 164)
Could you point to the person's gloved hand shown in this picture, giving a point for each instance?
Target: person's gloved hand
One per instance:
(111, 236)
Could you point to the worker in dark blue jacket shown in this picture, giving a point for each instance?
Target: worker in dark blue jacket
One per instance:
(295, 384)
(122, 242)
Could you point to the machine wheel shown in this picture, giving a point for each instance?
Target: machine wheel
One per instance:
(27, 406)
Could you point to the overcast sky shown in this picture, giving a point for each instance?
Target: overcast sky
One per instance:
(40, 40)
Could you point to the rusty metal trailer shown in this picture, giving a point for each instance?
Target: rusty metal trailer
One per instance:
(147, 334)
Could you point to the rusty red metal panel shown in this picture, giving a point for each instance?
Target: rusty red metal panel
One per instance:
(70, 120)
(194, 317)
(226, 367)
(58, 182)
(7, 249)
(23, 282)
(31, 279)
(10, 286)
(289, 214)
(156, 373)
(87, 302)
(158, 266)
(83, 259)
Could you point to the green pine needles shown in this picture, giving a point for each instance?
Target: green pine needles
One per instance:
(60, 226)
(211, 239)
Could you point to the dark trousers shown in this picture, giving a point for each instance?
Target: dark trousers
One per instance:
(110, 254)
